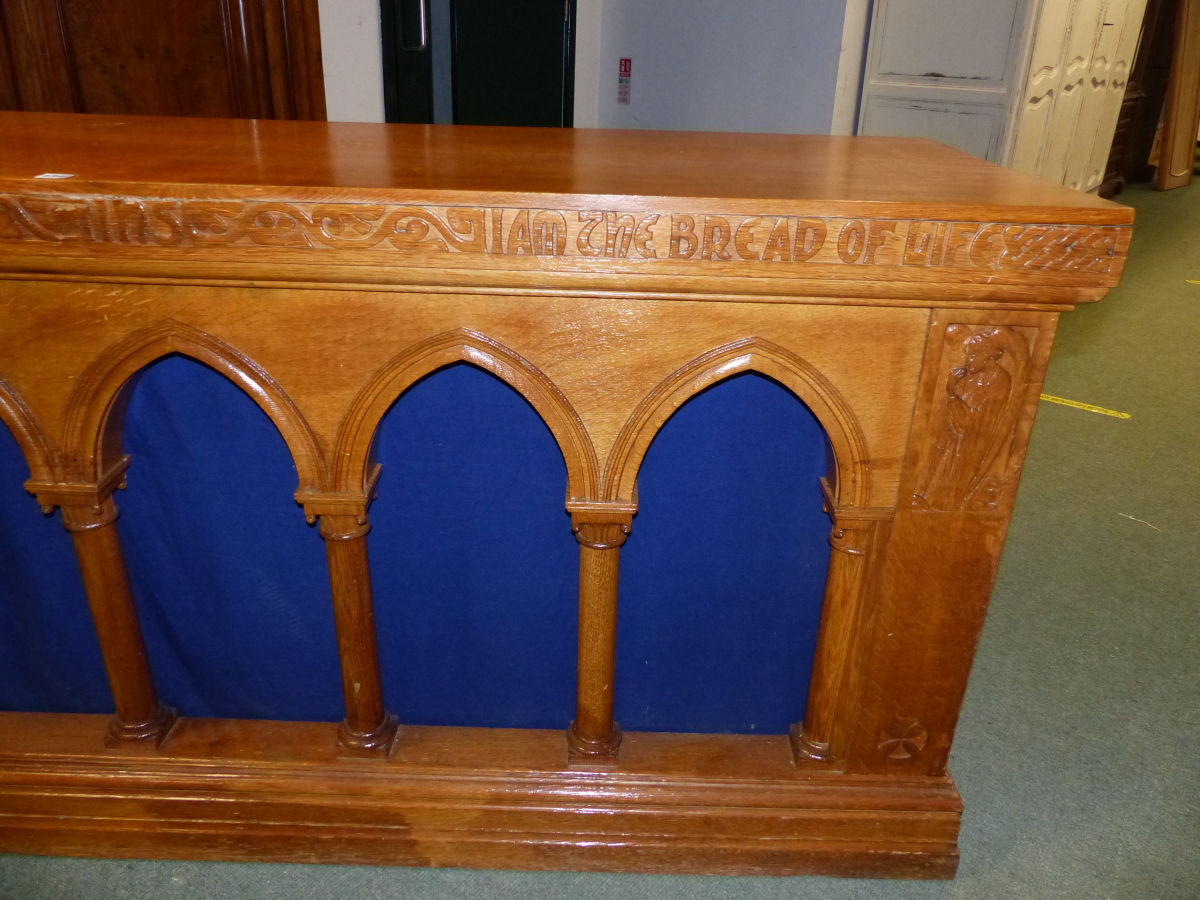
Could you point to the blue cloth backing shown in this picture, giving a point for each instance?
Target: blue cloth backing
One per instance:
(474, 567)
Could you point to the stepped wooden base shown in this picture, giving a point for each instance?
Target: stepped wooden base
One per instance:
(477, 798)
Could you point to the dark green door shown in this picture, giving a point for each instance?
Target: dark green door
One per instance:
(479, 62)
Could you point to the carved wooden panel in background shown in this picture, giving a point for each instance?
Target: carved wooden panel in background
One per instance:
(257, 59)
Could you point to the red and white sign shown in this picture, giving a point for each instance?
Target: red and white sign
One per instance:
(624, 80)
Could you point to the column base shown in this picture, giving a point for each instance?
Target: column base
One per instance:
(147, 736)
(803, 748)
(587, 752)
(378, 742)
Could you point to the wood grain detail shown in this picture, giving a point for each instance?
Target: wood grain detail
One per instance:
(930, 594)
(465, 797)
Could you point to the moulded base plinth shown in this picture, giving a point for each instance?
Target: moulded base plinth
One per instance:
(223, 789)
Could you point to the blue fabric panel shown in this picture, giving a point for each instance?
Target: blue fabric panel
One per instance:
(473, 564)
(49, 656)
(230, 581)
(723, 575)
(474, 567)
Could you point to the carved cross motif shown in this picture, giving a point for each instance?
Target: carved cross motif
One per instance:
(904, 740)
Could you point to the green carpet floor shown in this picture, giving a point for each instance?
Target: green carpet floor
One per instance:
(1078, 753)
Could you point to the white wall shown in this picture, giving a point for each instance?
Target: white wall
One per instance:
(702, 65)
(711, 65)
(352, 57)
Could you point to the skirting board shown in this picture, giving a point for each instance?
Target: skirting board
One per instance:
(223, 789)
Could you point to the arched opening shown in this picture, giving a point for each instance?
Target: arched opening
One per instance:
(723, 577)
(230, 583)
(473, 564)
(49, 656)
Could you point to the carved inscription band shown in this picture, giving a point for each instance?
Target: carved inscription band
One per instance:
(595, 234)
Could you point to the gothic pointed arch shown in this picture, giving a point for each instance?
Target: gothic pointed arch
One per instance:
(96, 410)
(851, 458)
(36, 446)
(357, 435)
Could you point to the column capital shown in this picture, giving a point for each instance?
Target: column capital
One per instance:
(89, 500)
(601, 526)
(343, 514)
(853, 526)
(344, 527)
(86, 516)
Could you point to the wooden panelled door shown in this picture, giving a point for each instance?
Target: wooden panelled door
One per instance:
(257, 59)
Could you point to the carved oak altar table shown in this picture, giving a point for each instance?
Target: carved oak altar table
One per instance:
(907, 293)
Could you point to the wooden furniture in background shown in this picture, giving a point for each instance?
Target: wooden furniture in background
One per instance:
(1181, 110)
(1141, 104)
(253, 59)
(907, 293)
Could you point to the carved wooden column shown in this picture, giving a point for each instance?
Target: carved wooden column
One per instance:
(832, 689)
(600, 529)
(980, 381)
(91, 516)
(368, 727)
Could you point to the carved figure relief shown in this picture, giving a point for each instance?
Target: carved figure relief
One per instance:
(969, 466)
(583, 234)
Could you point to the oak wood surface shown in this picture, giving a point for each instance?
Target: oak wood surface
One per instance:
(229, 789)
(220, 158)
(905, 293)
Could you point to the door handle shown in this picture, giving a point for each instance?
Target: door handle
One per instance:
(414, 25)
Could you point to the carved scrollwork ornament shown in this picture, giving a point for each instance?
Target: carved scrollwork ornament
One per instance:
(672, 236)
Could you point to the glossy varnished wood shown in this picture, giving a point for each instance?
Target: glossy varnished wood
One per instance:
(1181, 112)
(906, 293)
(439, 163)
(227, 789)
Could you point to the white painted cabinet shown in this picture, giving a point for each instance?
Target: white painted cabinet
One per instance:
(1035, 84)
(1078, 68)
(946, 70)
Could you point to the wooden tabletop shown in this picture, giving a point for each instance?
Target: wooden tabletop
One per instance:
(529, 166)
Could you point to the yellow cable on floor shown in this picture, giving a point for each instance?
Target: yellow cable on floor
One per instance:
(1087, 406)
